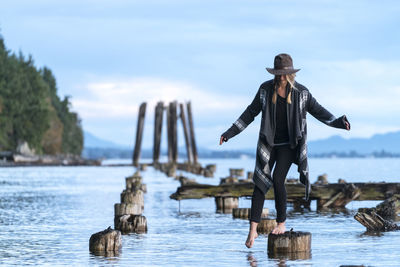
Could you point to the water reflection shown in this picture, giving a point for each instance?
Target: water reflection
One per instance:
(251, 259)
(300, 255)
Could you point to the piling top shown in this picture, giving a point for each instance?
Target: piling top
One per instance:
(291, 234)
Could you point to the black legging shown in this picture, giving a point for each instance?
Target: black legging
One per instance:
(284, 156)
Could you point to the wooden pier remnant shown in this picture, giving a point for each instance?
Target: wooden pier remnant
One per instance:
(191, 165)
(266, 225)
(158, 122)
(236, 172)
(189, 152)
(388, 209)
(139, 134)
(244, 213)
(106, 243)
(374, 222)
(128, 214)
(295, 191)
(348, 193)
(191, 130)
(294, 244)
(379, 218)
(226, 204)
(172, 132)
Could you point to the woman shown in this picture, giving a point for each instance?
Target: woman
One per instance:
(282, 139)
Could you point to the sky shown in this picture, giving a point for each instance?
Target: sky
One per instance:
(110, 56)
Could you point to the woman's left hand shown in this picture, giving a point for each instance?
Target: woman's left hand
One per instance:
(347, 126)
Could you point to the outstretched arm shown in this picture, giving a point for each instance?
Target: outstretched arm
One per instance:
(244, 120)
(323, 115)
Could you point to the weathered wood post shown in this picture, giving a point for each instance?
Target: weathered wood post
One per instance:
(226, 204)
(244, 213)
(379, 218)
(266, 225)
(106, 243)
(191, 128)
(236, 172)
(158, 121)
(186, 134)
(172, 133)
(294, 244)
(128, 214)
(139, 134)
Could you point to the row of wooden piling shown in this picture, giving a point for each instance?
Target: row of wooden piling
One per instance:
(172, 117)
(128, 218)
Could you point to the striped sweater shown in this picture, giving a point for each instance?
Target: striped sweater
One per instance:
(302, 103)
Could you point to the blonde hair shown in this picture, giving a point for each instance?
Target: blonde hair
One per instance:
(291, 80)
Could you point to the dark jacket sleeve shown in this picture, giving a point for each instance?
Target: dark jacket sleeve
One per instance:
(323, 115)
(245, 119)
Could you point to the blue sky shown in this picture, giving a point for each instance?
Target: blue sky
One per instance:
(112, 55)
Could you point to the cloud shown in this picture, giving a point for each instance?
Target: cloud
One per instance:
(120, 98)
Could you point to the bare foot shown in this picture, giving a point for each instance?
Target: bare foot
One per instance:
(279, 229)
(250, 238)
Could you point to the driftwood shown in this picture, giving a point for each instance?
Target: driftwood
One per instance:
(368, 191)
(348, 193)
(388, 209)
(377, 219)
(107, 242)
(374, 222)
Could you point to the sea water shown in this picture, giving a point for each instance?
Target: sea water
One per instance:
(47, 215)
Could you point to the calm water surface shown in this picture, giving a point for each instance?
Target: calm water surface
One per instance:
(47, 215)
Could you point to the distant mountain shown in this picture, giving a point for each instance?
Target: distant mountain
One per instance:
(92, 141)
(389, 142)
(379, 145)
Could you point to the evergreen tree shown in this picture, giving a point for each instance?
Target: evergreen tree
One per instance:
(31, 111)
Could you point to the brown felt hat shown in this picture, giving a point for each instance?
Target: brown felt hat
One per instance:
(283, 64)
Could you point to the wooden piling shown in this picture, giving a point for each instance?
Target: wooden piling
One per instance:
(139, 134)
(191, 128)
(236, 172)
(289, 242)
(186, 134)
(131, 224)
(244, 213)
(106, 243)
(266, 225)
(226, 204)
(172, 133)
(169, 134)
(158, 121)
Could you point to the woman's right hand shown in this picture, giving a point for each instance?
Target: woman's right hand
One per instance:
(221, 140)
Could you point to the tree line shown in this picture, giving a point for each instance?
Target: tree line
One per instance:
(31, 111)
